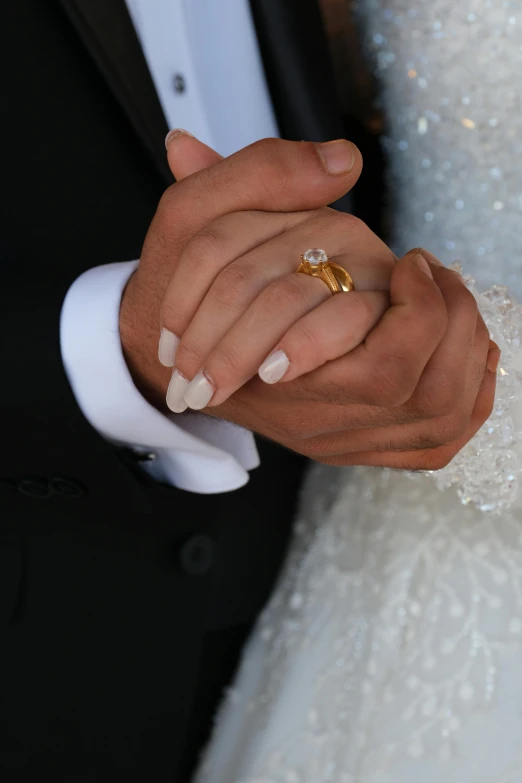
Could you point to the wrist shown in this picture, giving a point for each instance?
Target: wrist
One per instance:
(139, 338)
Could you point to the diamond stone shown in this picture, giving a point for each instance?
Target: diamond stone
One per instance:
(315, 256)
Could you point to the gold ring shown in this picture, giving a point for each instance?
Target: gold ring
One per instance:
(316, 263)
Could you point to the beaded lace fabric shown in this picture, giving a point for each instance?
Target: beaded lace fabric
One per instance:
(391, 651)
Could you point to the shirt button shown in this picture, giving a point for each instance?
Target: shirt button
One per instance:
(179, 83)
(197, 555)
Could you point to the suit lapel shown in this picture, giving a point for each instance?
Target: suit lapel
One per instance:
(295, 54)
(108, 34)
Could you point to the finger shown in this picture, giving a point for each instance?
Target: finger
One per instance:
(279, 310)
(188, 155)
(235, 359)
(428, 459)
(202, 318)
(271, 175)
(346, 240)
(385, 370)
(204, 257)
(448, 388)
(413, 435)
(411, 426)
(445, 383)
(437, 459)
(326, 333)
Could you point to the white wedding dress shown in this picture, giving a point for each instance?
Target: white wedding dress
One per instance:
(391, 651)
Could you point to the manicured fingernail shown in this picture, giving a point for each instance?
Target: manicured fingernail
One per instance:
(274, 368)
(176, 392)
(423, 265)
(338, 156)
(168, 345)
(173, 134)
(199, 392)
(493, 359)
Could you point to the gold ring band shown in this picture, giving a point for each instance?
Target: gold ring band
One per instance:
(336, 277)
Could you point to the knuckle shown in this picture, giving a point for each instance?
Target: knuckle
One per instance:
(432, 314)
(219, 179)
(479, 374)
(167, 201)
(457, 425)
(333, 389)
(319, 449)
(164, 230)
(351, 224)
(293, 429)
(465, 301)
(155, 238)
(234, 282)
(169, 204)
(482, 329)
(269, 147)
(450, 428)
(440, 394)
(287, 293)
(203, 247)
(392, 383)
(440, 433)
(343, 222)
(438, 459)
(269, 162)
(425, 442)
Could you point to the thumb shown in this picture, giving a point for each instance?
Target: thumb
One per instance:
(188, 155)
(269, 175)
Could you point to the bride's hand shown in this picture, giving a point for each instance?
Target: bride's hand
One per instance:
(237, 303)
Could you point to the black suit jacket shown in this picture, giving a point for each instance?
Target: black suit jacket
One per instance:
(123, 603)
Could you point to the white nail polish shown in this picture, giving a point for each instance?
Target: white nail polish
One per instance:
(175, 393)
(199, 393)
(168, 345)
(274, 368)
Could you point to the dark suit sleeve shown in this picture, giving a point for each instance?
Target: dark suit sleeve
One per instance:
(80, 190)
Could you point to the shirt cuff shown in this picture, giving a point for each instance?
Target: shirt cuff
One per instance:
(193, 451)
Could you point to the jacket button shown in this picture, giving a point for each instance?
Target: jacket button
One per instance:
(197, 555)
(67, 487)
(35, 487)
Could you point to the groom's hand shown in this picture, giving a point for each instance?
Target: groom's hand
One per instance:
(410, 397)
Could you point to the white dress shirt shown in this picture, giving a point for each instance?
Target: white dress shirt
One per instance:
(211, 48)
